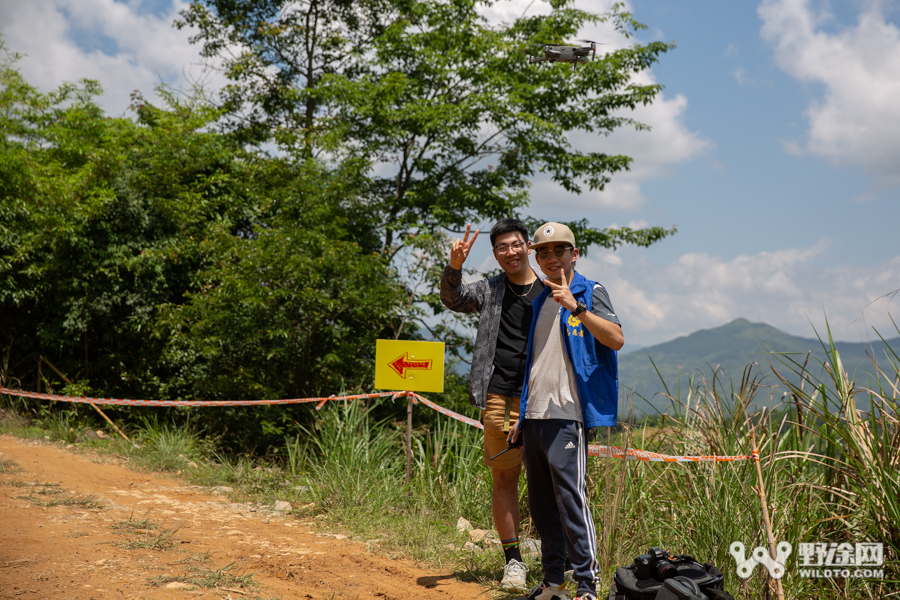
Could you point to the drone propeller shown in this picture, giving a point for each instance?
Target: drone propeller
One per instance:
(593, 46)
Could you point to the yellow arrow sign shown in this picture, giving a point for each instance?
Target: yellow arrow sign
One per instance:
(409, 366)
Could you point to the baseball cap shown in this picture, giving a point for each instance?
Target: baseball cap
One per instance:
(553, 233)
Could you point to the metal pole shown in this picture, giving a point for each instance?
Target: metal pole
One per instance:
(409, 407)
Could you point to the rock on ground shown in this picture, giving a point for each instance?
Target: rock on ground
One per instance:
(463, 525)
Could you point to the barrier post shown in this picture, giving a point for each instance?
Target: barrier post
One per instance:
(409, 407)
(69, 381)
(779, 590)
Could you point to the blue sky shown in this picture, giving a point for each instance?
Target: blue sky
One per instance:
(775, 149)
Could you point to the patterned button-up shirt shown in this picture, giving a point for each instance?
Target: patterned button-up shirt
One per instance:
(484, 296)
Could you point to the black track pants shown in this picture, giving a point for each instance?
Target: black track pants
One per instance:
(555, 455)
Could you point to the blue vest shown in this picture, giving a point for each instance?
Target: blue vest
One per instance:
(595, 365)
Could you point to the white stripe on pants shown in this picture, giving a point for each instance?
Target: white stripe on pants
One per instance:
(555, 456)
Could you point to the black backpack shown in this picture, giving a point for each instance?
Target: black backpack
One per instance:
(680, 588)
(707, 579)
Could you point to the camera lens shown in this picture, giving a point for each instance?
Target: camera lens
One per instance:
(664, 570)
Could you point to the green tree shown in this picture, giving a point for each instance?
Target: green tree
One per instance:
(101, 216)
(437, 108)
(440, 104)
(291, 311)
(155, 257)
(305, 41)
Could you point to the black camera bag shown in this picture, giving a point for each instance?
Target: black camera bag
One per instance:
(629, 587)
(680, 588)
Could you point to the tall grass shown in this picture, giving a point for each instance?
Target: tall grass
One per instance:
(165, 446)
(831, 474)
(697, 509)
(351, 458)
(63, 426)
(450, 475)
(355, 469)
(856, 454)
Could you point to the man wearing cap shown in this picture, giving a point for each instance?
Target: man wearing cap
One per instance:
(571, 386)
(498, 366)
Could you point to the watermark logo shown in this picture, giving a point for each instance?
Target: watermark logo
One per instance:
(847, 561)
(760, 556)
(839, 560)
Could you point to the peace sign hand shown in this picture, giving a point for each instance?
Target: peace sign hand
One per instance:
(459, 252)
(561, 292)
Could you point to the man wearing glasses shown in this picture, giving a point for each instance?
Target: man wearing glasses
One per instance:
(498, 365)
(571, 385)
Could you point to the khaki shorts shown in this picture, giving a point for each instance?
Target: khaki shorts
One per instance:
(496, 428)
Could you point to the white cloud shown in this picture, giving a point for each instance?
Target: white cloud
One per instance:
(655, 153)
(787, 288)
(507, 12)
(857, 120)
(116, 43)
(127, 48)
(633, 224)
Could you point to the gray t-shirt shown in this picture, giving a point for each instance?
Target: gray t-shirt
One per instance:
(602, 306)
(552, 390)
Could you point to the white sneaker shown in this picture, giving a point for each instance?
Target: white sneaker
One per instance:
(514, 574)
(547, 592)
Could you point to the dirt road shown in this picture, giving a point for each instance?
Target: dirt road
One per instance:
(84, 526)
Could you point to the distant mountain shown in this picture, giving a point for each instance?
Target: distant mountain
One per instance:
(630, 348)
(732, 347)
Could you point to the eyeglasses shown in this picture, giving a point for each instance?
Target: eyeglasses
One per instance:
(505, 248)
(543, 253)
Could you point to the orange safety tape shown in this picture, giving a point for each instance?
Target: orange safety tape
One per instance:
(593, 449)
(199, 403)
(602, 451)
(633, 454)
(446, 411)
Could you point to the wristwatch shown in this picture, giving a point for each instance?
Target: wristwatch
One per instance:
(580, 308)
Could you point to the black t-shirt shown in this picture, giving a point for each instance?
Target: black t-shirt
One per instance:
(512, 338)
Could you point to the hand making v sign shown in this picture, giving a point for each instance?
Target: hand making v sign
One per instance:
(561, 292)
(459, 252)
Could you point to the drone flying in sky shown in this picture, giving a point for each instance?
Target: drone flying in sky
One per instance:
(566, 54)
